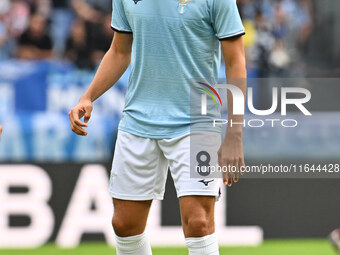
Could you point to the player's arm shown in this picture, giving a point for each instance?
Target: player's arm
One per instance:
(231, 151)
(112, 67)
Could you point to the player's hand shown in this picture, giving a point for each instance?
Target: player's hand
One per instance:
(82, 109)
(231, 158)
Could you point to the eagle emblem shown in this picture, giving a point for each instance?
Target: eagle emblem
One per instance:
(182, 6)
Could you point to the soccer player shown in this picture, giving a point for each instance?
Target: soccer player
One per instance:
(168, 43)
(334, 237)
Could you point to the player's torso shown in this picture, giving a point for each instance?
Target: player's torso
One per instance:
(172, 37)
(174, 41)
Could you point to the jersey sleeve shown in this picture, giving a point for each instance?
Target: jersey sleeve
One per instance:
(119, 21)
(226, 19)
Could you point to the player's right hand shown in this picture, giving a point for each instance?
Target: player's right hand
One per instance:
(82, 109)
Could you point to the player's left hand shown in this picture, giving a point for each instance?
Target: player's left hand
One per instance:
(231, 157)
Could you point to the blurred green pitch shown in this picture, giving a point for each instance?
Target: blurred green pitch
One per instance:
(269, 247)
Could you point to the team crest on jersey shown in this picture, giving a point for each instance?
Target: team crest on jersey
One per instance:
(136, 1)
(182, 6)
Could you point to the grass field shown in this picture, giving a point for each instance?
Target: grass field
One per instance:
(270, 247)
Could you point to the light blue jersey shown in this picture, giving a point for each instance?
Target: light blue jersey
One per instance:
(174, 41)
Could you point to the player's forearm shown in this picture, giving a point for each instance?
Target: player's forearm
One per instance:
(112, 67)
(237, 76)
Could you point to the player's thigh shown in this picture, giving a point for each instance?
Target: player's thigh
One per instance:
(130, 217)
(139, 169)
(184, 155)
(197, 213)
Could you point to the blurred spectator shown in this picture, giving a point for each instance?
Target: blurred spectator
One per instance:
(258, 53)
(102, 45)
(279, 24)
(93, 12)
(91, 33)
(248, 8)
(277, 32)
(282, 28)
(279, 60)
(61, 18)
(15, 16)
(43, 7)
(305, 21)
(4, 7)
(4, 37)
(35, 43)
(77, 48)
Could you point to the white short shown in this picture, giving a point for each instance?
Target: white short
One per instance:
(140, 166)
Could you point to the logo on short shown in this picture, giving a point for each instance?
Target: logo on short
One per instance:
(182, 6)
(206, 183)
(136, 1)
